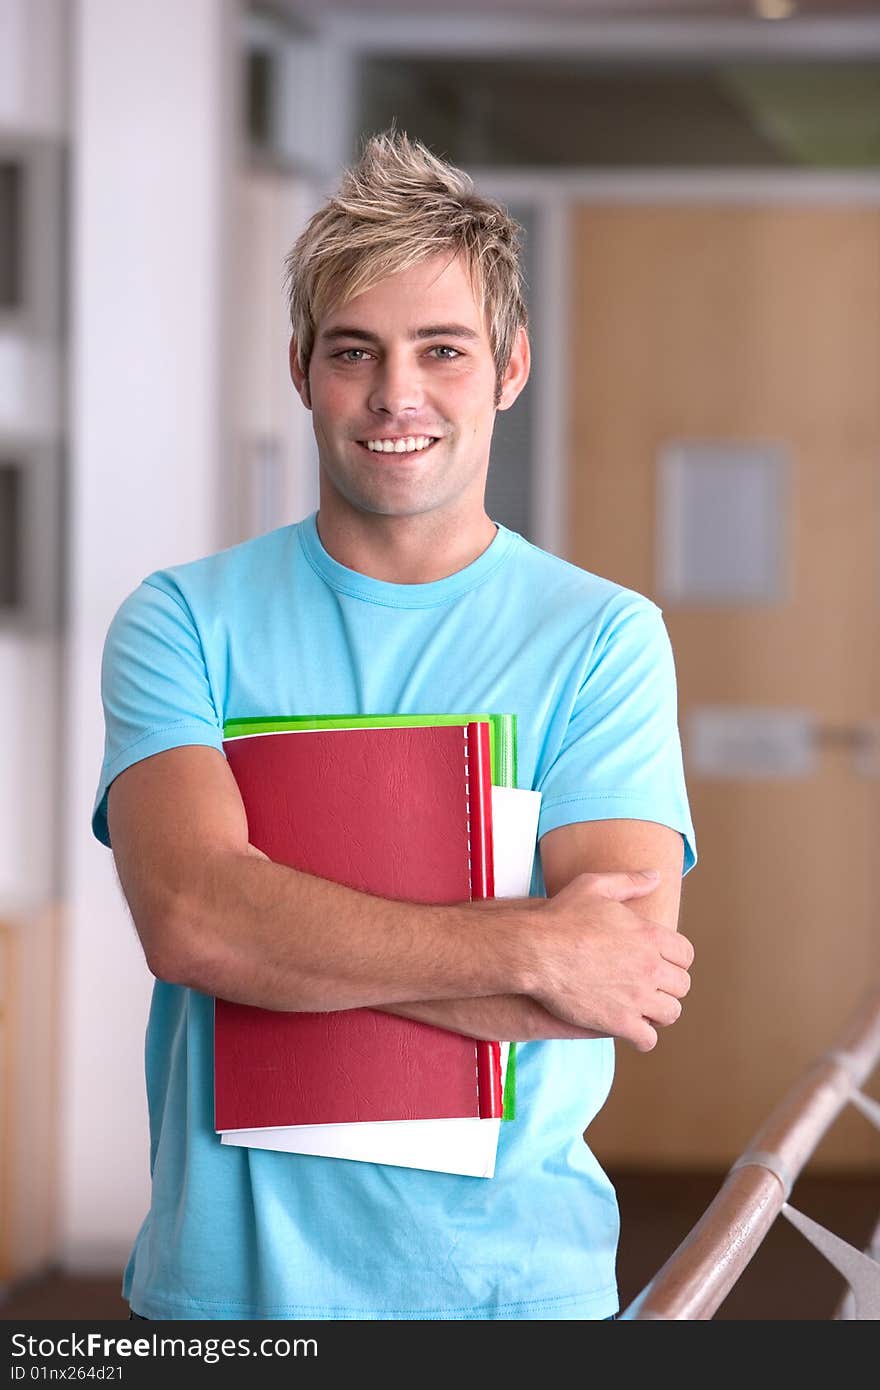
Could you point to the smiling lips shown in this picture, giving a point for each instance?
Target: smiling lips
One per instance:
(403, 444)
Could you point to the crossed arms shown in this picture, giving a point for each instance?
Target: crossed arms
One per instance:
(599, 957)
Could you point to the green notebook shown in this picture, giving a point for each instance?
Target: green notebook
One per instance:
(502, 750)
(502, 731)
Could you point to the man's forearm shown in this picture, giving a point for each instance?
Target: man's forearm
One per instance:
(509, 1017)
(257, 932)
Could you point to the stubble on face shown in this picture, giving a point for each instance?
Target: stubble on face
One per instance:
(393, 377)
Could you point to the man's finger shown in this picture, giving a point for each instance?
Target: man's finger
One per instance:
(674, 981)
(664, 1009)
(620, 885)
(644, 1038)
(677, 950)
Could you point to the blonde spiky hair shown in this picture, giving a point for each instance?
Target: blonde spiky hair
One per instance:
(396, 207)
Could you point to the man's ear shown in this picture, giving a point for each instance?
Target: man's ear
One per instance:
(517, 373)
(299, 377)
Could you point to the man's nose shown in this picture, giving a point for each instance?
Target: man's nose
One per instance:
(396, 387)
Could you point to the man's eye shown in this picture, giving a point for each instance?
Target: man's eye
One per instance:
(446, 354)
(353, 354)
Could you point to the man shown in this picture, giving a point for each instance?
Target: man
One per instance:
(401, 595)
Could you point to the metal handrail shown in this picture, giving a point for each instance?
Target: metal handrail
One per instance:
(701, 1272)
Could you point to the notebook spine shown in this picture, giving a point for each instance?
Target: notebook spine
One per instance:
(478, 777)
(478, 780)
(504, 766)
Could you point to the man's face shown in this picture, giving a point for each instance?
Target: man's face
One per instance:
(402, 387)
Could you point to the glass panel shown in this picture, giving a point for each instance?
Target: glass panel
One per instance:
(508, 490)
(10, 235)
(548, 113)
(721, 522)
(10, 535)
(260, 65)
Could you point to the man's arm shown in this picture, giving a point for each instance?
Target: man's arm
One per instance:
(614, 846)
(605, 850)
(213, 915)
(611, 846)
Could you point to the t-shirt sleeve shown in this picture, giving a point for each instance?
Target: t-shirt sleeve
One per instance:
(619, 756)
(155, 687)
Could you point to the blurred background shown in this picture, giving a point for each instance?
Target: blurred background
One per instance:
(699, 187)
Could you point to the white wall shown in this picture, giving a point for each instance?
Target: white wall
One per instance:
(275, 452)
(33, 85)
(154, 130)
(29, 700)
(33, 105)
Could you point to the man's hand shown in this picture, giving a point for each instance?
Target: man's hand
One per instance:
(604, 967)
(599, 968)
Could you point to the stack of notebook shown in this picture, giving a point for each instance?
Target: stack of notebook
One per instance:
(422, 808)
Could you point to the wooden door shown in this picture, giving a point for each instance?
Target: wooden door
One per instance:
(739, 324)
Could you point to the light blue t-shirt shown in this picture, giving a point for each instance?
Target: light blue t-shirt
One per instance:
(277, 627)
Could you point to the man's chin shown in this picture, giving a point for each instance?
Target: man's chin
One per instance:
(383, 502)
(384, 507)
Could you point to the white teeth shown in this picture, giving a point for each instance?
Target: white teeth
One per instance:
(413, 443)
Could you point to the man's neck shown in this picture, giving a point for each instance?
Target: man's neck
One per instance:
(403, 550)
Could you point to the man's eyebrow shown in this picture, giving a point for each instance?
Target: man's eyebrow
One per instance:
(433, 330)
(446, 330)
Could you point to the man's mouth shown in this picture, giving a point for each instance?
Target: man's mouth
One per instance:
(400, 444)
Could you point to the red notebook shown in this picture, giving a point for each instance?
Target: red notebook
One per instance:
(400, 812)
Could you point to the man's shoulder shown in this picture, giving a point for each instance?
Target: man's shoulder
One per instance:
(241, 568)
(195, 595)
(556, 581)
